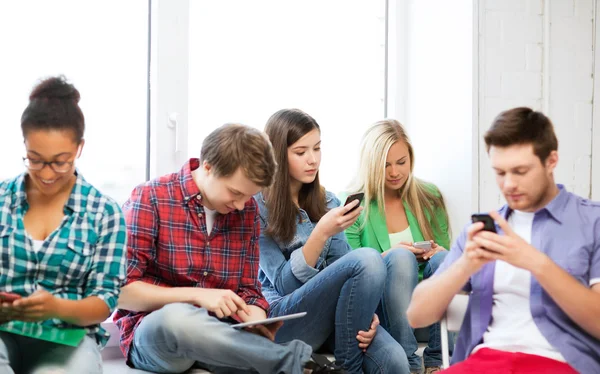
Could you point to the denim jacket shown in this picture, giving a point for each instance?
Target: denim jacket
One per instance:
(283, 268)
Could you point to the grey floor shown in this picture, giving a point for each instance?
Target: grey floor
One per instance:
(114, 363)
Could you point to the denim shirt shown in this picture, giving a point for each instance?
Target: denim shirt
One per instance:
(568, 231)
(283, 268)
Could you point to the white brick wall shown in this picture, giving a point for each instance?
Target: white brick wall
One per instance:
(536, 53)
(539, 54)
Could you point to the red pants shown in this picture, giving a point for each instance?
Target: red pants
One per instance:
(491, 361)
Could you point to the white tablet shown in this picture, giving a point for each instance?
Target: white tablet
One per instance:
(269, 320)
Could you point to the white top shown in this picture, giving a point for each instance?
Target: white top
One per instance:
(402, 236)
(37, 245)
(210, 219)
(512, 328)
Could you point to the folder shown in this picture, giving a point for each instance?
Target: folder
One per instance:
(66, 336)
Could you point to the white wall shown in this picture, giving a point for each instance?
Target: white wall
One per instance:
(540, 54)
(431, 73)
(455, 65)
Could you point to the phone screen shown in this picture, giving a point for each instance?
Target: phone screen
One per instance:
(488, 222)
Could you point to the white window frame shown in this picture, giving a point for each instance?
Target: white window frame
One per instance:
(169, 51)
(168, 91)
(168, 86)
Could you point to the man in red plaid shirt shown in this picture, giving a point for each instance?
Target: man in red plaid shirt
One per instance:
(193, 265)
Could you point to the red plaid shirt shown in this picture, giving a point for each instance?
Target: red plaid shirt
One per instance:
(168, 244)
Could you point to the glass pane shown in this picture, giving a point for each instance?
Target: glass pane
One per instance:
(101, 47)
(249, 59)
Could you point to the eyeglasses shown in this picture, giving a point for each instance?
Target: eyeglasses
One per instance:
(57, 166)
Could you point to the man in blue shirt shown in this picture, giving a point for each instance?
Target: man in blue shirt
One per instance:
(535, 285)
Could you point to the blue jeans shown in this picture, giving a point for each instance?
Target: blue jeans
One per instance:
(402, 278)
(341, 300)
(20, 354)
(179, 336)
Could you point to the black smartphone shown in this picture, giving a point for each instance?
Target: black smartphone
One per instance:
(357, 196)
(488, 221)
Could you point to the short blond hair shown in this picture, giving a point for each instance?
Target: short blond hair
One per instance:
(234, 146)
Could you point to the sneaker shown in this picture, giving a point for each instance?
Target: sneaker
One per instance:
(321, 365)
(433, 369)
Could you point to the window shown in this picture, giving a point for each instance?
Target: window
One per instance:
(249, 59)
(102, 48)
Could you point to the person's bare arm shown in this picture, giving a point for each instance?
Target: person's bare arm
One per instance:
(580, 303)
(42, 305)
(89, 311)
(143, 297)
(432, 296)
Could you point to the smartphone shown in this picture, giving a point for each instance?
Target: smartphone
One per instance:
(426, 246)
(488, 221)
(357, 196)
(8, 297)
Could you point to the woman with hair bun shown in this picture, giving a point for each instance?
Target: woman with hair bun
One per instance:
(62, 242)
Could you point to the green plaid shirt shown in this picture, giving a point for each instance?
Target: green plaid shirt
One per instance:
(85, 256)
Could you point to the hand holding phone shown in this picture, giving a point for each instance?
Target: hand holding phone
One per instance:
(357, 196)
(471, 251)
(488, 221)
(339, 219)
(425, 246)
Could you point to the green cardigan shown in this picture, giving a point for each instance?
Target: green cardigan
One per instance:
(374, 234)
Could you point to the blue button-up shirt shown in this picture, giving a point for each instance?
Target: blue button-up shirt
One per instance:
(568, 231)
(83, 257)
(283, 268)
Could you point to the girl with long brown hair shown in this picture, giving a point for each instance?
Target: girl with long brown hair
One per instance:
(306, 264)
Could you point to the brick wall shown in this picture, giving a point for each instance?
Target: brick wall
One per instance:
(539, 54)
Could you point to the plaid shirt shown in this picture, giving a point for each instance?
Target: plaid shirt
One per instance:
(169, 245)
(83, 257)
